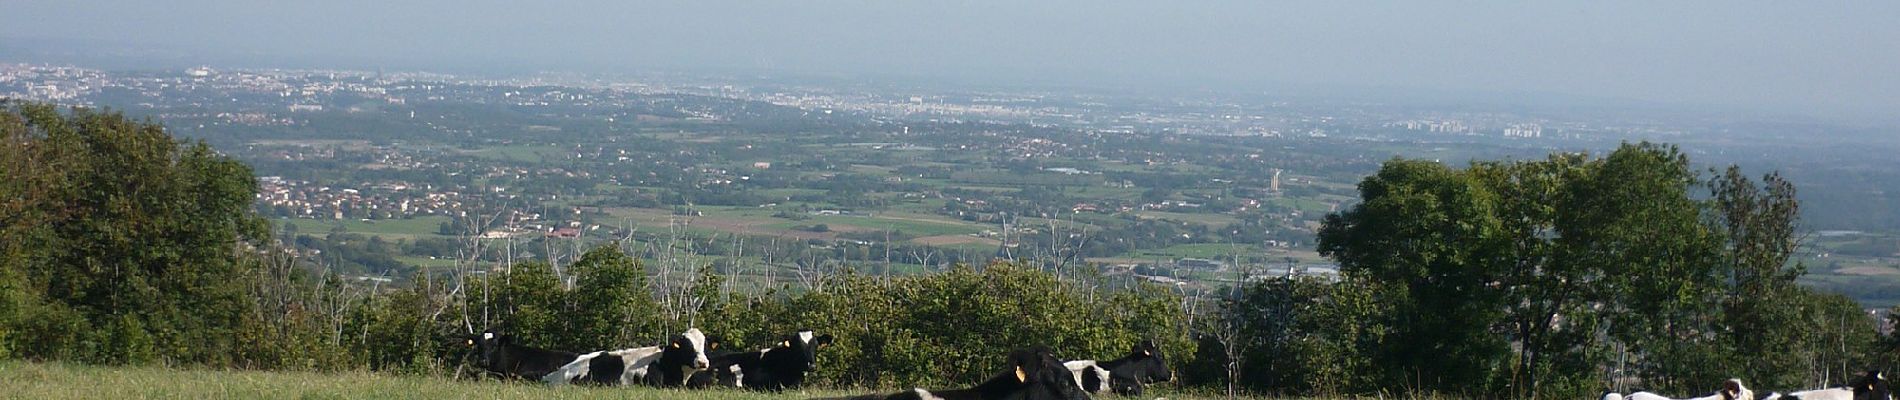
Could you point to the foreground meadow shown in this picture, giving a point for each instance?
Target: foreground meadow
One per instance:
(52, 381)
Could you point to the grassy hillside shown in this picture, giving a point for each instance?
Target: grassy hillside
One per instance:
(52, 381)
(66, 381)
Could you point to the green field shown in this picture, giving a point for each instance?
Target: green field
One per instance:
(919, 226)
(532, 153)
(425, 261)
(1304, 205)
(1215, 251)
(402, 228)
(52, 381)
(1209, 219)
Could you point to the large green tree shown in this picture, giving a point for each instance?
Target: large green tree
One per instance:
(1521, 277)
(610, 305)
(126, 243)
(1431, 237)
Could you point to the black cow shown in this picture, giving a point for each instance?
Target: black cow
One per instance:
(780, 367)
(723, 370)
(1144, 364)
(1034, 374)
(664, 366)
(500, 355)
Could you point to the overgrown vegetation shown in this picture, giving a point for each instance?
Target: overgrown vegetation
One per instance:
(1553, 278)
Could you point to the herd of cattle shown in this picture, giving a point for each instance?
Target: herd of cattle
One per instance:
(687, 361)
(1870, 386)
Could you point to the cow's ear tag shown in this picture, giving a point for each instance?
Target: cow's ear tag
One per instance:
(1020, 376)
(1146, 353)
(787, 343)
(713, 345)
(676, 345)
(471, 342)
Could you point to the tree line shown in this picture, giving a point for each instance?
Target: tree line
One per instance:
(1561, 277)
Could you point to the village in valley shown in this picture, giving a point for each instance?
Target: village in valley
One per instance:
(379, 174)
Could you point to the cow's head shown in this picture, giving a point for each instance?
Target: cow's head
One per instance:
(1872, 386)
(487, 346)
(1150, 365)
(1041, 376)
(803, 347)
(688, 350)
(1732, 389)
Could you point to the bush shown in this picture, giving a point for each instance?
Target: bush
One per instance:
(112, 223)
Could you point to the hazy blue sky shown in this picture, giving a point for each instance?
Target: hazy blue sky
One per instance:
(1819, 57)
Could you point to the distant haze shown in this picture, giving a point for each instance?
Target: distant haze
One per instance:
(1836, 59)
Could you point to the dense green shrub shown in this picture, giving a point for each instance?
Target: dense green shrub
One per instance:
(112, 224)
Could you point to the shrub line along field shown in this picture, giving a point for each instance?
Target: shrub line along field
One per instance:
(54, 381)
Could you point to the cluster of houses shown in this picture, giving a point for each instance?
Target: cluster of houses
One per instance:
(387, 200)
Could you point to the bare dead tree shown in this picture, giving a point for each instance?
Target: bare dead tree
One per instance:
(467, 259)
(887, 255)
(1006, 250)
(1229, 332)
(770, 256)
(812, 270)
(924, 257)
(1066, 242)
(735, 263)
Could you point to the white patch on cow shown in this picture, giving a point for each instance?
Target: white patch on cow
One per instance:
(925, 394)
(1612, 396)
(698, 339)
(574, 369)
(738, 375)
(1734, 386)
(1824, 394)
(638, 360)
(805, 336)
(1644, 396)
(1079, 367)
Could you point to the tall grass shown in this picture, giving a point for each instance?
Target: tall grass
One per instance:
(66, 381)
(54, 381)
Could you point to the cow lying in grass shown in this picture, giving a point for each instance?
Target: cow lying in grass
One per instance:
(1034, 374)
(782, 366)
(664, 366)
(1870, 386)
(499, 355)
(1126, 375)
(1732, 389)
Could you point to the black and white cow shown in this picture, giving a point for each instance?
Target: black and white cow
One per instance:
(782, 366)
(500, 355)
(1142, 365)
(1870, 386)
(665, 366)
(1034, 374)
